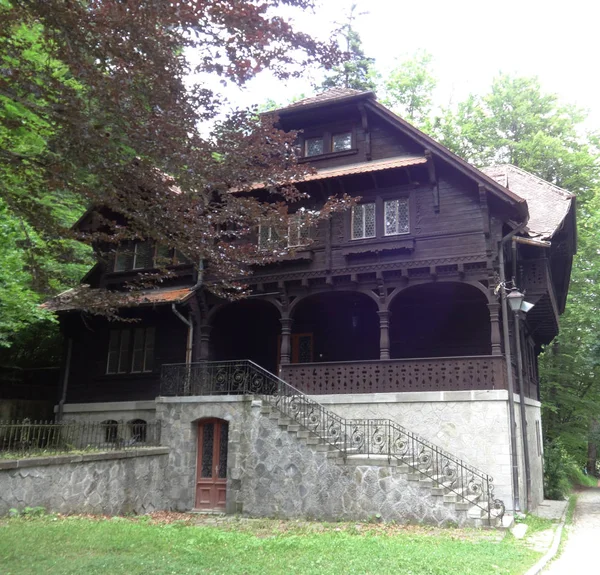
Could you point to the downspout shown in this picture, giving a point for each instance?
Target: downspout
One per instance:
(190, 337)
(509, 373)
(65, 382)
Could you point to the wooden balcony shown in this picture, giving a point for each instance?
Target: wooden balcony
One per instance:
(397, 375)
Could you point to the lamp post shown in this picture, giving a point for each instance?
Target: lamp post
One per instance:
(517, 303)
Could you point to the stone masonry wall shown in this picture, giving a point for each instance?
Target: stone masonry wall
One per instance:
(472, 425)
(273, 474)
(101, 483)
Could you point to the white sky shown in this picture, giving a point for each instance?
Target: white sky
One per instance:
(471, 41)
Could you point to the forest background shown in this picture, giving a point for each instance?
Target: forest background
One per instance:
(514, 121)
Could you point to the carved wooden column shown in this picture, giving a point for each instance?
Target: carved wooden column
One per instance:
(384, 334)
(286, 348)
(205, 330)
(495, 325)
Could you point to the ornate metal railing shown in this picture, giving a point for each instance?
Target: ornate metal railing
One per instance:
(371, 437)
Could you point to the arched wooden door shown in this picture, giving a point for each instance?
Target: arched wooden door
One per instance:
(211, 469)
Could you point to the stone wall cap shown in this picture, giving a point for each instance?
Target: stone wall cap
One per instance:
(108, 406)
(63, 459)
(206, 399)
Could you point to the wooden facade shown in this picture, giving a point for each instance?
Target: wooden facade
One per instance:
(407, 304)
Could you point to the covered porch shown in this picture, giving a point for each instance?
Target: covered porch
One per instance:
(437, 336)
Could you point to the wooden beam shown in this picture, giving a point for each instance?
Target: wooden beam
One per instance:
(433, 180)
(365, 126)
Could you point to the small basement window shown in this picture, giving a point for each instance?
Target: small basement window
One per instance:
(363, 221)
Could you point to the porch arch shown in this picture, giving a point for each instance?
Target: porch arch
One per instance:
(246, 329)
(340, 326)
(439, 319)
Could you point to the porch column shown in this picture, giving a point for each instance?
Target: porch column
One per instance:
(495, 324)
(286, 332)
(384, 334)
(205, 330)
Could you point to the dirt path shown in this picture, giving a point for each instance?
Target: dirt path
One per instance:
(581, 552)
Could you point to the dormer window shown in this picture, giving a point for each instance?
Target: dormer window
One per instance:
(341, 142)
(313, 147)
(146, 255)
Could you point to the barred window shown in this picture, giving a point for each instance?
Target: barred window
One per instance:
(127, 354)
(396, 217)
(363, 221)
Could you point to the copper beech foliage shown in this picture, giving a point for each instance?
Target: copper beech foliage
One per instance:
(128, 125)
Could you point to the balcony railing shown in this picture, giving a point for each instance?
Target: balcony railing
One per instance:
(396, 375)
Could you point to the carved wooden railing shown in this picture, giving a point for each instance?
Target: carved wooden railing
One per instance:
(384, 376)
(379, 437)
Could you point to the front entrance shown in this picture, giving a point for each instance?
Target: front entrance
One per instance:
(211, 471)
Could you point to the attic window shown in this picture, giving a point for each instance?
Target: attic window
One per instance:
(313, 147)
(341, 142)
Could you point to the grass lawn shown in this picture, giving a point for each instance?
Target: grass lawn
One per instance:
(74, 545)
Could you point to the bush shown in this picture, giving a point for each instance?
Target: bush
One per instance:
(562, 473)
(556, 465)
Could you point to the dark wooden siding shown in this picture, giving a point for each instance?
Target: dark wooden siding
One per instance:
(88, 381)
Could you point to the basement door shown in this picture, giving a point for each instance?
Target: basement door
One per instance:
(211, 470)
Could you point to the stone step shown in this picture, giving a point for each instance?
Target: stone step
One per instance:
(294, 427)
(265, 409)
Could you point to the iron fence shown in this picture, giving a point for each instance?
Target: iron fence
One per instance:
(27, 437)
(370, 437)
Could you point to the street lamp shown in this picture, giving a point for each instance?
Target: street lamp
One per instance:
(516, 301)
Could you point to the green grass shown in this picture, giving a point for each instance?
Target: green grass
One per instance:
(61, 546)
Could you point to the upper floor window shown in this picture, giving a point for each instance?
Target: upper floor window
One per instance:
(130, 351)
(341, 142)
(313, 147)
(327, 143)
(363, 221)
(396, 217)
(145, 255)
(298, 234)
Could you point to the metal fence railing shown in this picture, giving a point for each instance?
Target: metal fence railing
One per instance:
(27, 437)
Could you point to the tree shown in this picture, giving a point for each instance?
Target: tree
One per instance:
(97, 109)
(355, 71)
(408, 89)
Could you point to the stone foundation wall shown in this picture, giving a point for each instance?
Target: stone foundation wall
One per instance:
(472, 425)
(101, 483)
(273, 474)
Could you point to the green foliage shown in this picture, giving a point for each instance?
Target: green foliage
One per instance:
(75, 545)
(408, 89)
(556, 479)
(356, 69)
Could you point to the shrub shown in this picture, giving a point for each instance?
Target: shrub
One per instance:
(556, 465)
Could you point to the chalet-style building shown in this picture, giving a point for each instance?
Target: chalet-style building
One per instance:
(390, 319)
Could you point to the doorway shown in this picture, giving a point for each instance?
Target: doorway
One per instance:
(211, 467)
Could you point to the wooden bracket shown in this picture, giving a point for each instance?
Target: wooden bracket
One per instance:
(433, 181)
(365, 126)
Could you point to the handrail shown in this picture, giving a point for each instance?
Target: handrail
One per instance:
(382, 437)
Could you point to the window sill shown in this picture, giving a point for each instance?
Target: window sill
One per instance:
(350, 152)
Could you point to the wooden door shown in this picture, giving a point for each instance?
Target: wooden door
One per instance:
(211, 469)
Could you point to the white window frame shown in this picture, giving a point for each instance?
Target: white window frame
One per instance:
(363, 236)
(397, 232)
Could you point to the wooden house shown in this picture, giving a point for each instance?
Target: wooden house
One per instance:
(390, 311)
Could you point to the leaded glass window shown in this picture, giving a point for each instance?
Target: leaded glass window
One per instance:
(143, 257)
(124, 257)
(208, 438)
(396, 217)
(363, 221)
(341, 142)
(268, 238)
(313, 147)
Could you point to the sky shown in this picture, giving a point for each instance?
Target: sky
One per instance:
(471, 41)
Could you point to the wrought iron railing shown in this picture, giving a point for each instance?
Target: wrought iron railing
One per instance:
(25, 437)
(371, 437)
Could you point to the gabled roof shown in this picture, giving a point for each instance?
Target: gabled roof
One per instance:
(548, 204)
(332, 96)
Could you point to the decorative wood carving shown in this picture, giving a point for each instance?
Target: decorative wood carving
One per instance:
(434, 374)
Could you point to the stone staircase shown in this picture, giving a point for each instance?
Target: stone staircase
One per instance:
(468, 507)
